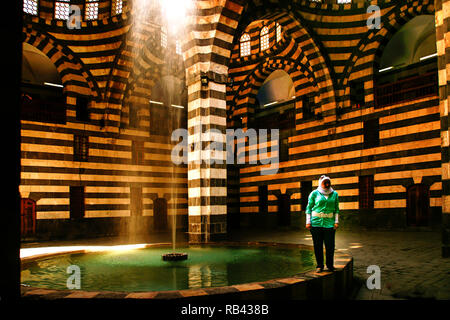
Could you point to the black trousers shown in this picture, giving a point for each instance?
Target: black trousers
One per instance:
(321, 235)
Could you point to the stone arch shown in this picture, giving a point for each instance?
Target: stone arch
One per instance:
(391, 22)
(64, 59)
(253, 82)
(148, 64)
(292, 29)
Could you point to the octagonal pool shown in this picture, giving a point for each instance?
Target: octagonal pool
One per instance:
(144, 270)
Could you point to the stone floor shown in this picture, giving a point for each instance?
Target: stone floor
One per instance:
(410, 262)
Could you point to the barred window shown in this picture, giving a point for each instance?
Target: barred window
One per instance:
(371, 131)
(163, 37)
(137, 152)
(62, 9)
(30, 7)
(116, 7)
(278, 32)
(264, 38)
(91, 10)
(245, 45)
(80, 148)
(366, 192)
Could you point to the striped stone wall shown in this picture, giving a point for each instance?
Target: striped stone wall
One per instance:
(324, 47)
(110, 66)
(442, 16)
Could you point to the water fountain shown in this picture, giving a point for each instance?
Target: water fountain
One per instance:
(173, 15)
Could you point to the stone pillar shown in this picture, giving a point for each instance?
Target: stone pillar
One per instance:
(207, 175)
(206, 56)
(442, 16)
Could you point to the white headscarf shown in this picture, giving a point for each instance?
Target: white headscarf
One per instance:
(322, 190)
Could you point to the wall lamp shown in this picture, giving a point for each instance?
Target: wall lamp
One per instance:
(204, 80)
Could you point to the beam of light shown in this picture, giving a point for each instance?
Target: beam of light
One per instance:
(176, 12)
(156, 102)
(30, 252)
(429, 56)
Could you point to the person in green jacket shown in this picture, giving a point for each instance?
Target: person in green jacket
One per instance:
(322, 214)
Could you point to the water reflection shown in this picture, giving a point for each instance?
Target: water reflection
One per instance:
(144, 270)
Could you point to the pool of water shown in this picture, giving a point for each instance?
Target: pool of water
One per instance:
(144, 269)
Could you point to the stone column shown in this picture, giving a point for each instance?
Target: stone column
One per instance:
(207, 175)
(206, 55)
(442, 18)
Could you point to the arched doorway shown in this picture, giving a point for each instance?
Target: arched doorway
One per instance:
(160, 214)
(418, 205)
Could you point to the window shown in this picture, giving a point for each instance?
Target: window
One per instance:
(62, 9)
(77, 203)
(344, 1)
(137, 152)
(305, 190)
(245, 45)
(80, 148)
(30, 7)
(91, 10)
(42, 104)
(278, 32)
(262, 195)
(136, 201)
(163, 37)
(284, 149)
(307, 106)
(371, 130)
(158, 120)
(116, 7)
(366, 192)
(178, 47)
(264, 38)
(133, 121)
(357, 93)
(81, 109)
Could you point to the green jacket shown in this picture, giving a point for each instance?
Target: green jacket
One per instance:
(318, 203)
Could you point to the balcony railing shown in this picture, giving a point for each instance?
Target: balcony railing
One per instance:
(408, 89)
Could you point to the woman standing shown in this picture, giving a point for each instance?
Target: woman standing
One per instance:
(322, 213)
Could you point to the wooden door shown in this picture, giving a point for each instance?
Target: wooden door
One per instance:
(305, 190)
(284, 210)
(418, 205)
(77, 203)
(263, 197)
(27, 217)
(160, 214)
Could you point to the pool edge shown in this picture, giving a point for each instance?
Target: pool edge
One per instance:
(303, 286)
